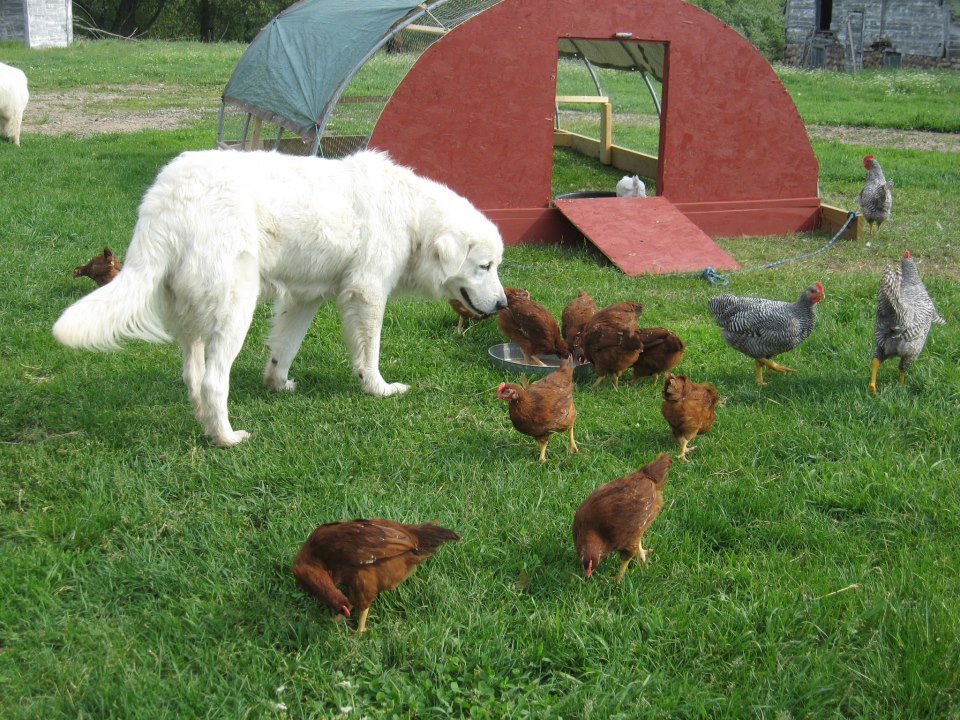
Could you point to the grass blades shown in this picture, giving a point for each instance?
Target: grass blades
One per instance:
(806, 563)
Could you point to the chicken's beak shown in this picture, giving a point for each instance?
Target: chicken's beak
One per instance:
(588, 570)
(345, 610)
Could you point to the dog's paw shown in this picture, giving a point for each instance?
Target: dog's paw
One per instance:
(231, 439)
(279, 384)
(384, 389)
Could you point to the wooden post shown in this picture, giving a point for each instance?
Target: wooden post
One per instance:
(606, 132)
(256, 141)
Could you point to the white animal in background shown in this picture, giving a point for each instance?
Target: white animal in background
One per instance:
(631, 187)
(220, 229)
(13, 101)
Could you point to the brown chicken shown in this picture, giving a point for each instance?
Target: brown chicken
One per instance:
(617, 514)
(465, 314)
(531, 326)
(612, 341)
(101, 268)
(366, 557)
(688, 408)
(575, 315)
(662, 351)
(544, 407)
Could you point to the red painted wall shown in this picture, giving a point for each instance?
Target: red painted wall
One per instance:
(476, 112)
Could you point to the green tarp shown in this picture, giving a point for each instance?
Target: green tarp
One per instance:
(295, 67)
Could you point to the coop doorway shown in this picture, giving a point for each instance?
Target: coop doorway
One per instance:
(608, 114)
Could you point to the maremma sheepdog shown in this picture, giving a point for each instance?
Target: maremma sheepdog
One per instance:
(220, 229)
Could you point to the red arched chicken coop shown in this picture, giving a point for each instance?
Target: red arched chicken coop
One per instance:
(473, 102)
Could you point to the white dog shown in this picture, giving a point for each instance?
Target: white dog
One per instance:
(219, 229)
(13, 101)
(631, 187)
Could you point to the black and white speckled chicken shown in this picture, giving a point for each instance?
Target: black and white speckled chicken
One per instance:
(905, 313)
(761, 328)
(876, 198)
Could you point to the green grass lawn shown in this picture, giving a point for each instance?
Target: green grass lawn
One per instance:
(806, 563)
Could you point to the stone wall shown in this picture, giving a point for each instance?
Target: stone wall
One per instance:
(916, 29)
(38, 23)
(13, 21)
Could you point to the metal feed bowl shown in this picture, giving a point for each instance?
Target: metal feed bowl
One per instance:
(507, 356)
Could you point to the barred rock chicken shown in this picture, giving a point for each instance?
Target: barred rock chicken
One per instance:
(662, 351)
(904, 315)
(531, 326)
(761, 328)
(876, 198)
(465, 314)
(689, 409)
(366, 557)
(617, 514)
(611, 340)
(544, 407)
(101, 268)
(575, 315)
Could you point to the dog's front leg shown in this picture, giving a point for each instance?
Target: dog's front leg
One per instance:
(291, 320)
(362, 317)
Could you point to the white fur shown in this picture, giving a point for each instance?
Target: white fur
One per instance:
(631, 187)
(13, 101)
(219, 229)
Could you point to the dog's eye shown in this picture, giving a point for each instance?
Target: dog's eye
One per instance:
(487, 266)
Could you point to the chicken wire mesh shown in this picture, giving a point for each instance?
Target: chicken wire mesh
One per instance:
(347, 127)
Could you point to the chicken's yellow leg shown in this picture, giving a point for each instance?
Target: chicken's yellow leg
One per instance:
(362, 623)
(573, 443)
(903, 376)
(775, 366)
(684, 449)
(759, 365)
(874, 366)
(542, 442)
(623, 569)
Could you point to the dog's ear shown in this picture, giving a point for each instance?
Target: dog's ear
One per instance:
(451, 253)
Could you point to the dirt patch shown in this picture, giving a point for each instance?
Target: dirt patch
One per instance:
(140, 107)
(887, 137)
(127, 109)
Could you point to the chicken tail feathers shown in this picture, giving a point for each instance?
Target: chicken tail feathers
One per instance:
(431, 536)
(656, 470)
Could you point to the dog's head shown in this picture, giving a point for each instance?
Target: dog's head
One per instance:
(469, 266)
(459, 260)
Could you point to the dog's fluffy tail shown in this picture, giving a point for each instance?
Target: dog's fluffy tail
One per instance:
(131, 306)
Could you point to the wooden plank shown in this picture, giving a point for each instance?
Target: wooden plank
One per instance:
(645, 235)
(429, 30)
(598, 99)
(634, 162)
(832, 219)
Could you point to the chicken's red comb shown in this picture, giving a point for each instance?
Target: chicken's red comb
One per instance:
(906, 254)
(819, 287)
(867, 158)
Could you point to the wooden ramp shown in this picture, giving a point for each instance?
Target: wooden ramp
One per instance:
(645, 235)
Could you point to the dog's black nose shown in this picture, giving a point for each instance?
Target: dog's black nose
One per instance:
(501, 304)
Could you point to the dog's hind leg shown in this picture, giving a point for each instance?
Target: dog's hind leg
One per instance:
(291, 320)
(193, 369)
(232, 321)
(362, 322)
